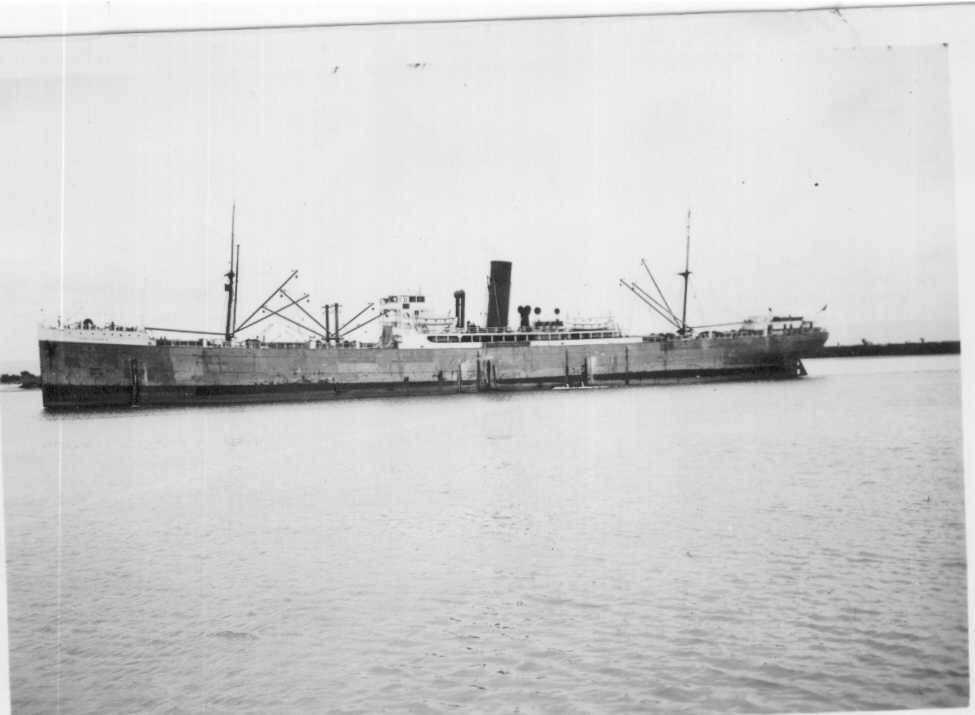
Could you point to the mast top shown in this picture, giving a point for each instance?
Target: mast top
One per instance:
(686, 274)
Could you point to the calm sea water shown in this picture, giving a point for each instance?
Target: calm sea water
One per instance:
(764, 547)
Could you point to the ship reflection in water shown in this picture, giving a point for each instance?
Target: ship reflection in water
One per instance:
(773, 546)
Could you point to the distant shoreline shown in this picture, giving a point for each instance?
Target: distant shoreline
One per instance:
(866, 349)
(24, 379)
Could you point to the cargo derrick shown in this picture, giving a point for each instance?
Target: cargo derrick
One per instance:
(417, 352)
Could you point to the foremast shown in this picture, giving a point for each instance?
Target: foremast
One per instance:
(233, 276)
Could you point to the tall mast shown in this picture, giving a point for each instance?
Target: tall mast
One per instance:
(230, 286)
(686, 274)
(236, 292)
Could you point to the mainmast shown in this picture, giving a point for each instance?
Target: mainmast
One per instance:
(236, 292)
(231, 285)
(686, 274)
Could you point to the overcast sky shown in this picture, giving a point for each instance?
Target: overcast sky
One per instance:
(815, 154)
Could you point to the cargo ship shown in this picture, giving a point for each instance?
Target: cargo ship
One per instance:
(84, 365)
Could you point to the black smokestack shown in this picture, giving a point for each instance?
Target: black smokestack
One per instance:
(499, 289)
(459, 307)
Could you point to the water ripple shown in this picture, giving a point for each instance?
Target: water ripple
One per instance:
(743, 555)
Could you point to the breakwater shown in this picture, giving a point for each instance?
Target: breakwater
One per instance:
(866, 349)
(25, 379)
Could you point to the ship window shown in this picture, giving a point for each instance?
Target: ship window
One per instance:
(574, 336)
(522, 338)
(509, 338)
(586, 335)
(465, 338)
(420, 299)
(406, 306)
(454, 338)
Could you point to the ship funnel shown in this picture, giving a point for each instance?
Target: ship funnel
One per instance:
(459, 307)
(499, 290)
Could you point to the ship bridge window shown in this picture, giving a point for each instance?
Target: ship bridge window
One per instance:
(465, 338)
(454, 339)
(522, 338)
(509, 338)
